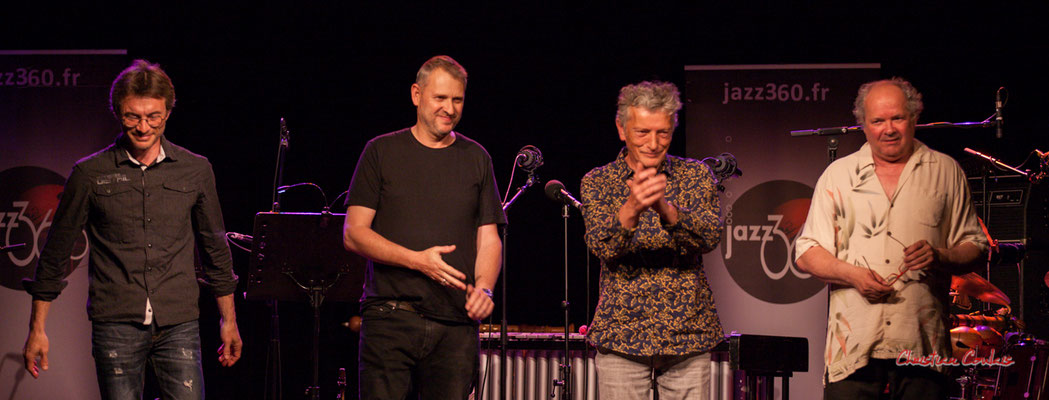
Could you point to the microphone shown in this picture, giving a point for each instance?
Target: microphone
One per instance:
(724, 166)
(998, 112)
(242, 237)
(529, 158)
(555, 190)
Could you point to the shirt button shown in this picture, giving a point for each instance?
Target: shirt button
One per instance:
(149, 219)
(149, 268)
(147, 194)
(149, 245)
(152, 291)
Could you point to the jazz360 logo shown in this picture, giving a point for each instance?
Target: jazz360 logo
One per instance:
(758, 243)
(28, 200)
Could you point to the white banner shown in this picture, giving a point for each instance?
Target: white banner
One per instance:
(54, 110)
(749, 111)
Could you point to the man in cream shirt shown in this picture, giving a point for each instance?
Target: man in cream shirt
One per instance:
(888, 226)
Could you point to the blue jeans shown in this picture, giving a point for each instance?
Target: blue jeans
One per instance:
(122, 351)
(619, 378)
(400, 350)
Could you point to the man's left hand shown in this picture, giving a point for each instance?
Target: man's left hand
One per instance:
(920, 255)
(229, 351)
(478, 305)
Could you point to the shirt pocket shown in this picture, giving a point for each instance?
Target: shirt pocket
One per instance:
(929, 208)
(116, 207)
(180, 195)
(177, 199)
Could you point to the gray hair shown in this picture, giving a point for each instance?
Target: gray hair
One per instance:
(913, 98)
(653, 96)
(442, 62)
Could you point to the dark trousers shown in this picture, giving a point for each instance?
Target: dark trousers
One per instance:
(883, 380)
(400, 350)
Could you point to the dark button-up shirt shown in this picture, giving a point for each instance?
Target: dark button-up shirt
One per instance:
(141, 226)
(655, 299)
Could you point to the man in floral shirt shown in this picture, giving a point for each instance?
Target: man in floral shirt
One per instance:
(649, 218)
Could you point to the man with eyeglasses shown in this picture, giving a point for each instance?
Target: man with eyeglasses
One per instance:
(144, 203)
(888, 226)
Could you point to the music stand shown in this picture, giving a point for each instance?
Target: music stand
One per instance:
(300, 257)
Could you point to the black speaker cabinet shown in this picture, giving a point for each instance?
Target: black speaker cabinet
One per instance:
(1016, 213)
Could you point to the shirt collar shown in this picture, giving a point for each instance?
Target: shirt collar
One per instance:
(921, 155)
(125, 156)
(625, 172)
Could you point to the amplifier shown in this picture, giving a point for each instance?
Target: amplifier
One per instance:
(1018, 212)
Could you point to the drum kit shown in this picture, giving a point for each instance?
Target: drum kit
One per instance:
(997, 359)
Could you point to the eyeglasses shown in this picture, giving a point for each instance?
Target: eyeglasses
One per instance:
(901, 270)
(153, 120)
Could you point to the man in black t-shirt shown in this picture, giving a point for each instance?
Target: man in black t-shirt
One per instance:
(424, 208)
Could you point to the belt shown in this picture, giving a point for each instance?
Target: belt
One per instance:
(400, 305)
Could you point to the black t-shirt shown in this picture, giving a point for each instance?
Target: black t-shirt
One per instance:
(425, 197)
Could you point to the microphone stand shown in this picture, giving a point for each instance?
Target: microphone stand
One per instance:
(532, 179)
(985, 173)
(986, 209)
(832, 149)
(998, 163)
(278, 175)
(565, 380)
(844, 130)
(834, 131)
(273, 352)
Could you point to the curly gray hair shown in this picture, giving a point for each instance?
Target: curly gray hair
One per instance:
(913, 98)
(653, 96)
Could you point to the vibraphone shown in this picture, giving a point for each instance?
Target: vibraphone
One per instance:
(533, 361)
(741, 367)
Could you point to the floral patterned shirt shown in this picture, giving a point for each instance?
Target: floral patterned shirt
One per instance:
(655, 299)
(853, 219)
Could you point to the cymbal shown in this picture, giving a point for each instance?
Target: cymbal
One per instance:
(974, 285)
(982, 339)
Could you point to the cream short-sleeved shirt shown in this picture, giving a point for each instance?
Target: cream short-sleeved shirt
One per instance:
(853, 219)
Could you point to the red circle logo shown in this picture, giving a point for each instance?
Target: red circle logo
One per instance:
(28, 200)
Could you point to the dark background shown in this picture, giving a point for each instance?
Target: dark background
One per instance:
(545, 74)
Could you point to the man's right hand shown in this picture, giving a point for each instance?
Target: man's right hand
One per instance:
(36, 346)
(871, 286)
(430, 263)
(646, 188)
